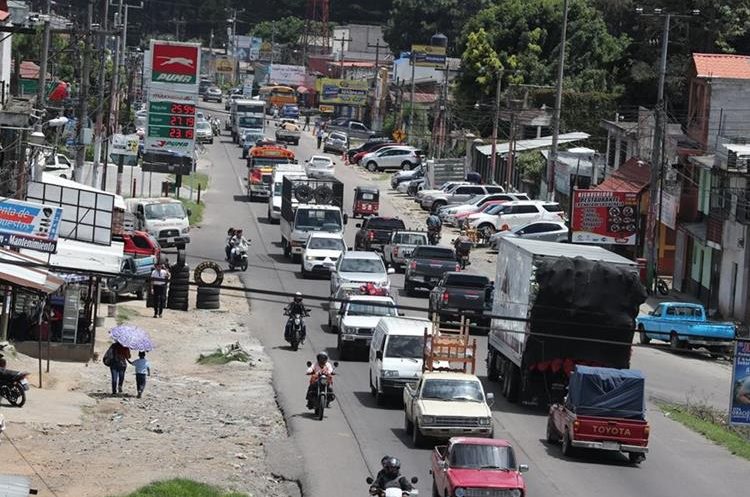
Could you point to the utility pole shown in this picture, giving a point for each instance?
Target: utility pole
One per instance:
(341, 61)
(114, 82)
(376, 124)
(495, 124)
(273, 40)
(413, 58)
(552, 159)
(83, 108)
(41, 95)
(99, 133)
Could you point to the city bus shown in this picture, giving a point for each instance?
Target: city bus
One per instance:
(246, 114)
(260, 162)
(277, 95)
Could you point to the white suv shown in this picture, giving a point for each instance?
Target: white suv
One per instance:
(392, 158)
(511, 214)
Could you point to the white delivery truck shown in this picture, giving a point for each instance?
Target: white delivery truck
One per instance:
(166, 219)
(296, 171)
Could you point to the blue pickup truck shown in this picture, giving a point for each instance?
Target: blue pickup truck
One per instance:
(685, 326)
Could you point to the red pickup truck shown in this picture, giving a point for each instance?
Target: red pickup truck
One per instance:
(476, 466)
(603, 410)
(140, 244)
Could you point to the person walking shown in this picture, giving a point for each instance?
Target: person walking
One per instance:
(307, 123)
(142, 369)
(117, 358)
(319, 135)
(159, 280)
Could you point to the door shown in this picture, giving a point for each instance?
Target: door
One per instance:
(395, 158)
(464, 193)
(522, 214)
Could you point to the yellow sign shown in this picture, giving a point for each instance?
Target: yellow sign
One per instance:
(399, 135)
(428, 56)
(342, 91)
(224, 65)
(327, 108)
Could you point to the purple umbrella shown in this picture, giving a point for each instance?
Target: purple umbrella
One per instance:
(132, 337)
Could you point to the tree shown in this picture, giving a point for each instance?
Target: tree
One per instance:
(285, 30)
(481, 67)
(415, 21)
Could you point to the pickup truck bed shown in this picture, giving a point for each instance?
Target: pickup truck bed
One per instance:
(401, 245)
(288, 135)
(460, 292)
(427, 265)
(375, 232)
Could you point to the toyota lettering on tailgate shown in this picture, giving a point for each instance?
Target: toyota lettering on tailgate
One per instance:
(174, 63)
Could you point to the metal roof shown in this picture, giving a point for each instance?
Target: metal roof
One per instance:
(14, 486)
(554, 249)
(535, 143)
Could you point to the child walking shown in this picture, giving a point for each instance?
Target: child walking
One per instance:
(142, 369)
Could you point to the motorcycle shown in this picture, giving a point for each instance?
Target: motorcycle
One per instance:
(238, 258)
(13, 386)
(216, 126)
(394, 491)
(433, 234)
(295, 334)
(323, 397)
(463, 249)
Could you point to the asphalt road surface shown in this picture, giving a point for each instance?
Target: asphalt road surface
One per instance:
(346, 447)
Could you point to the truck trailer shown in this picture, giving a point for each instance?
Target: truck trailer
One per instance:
(557, 305)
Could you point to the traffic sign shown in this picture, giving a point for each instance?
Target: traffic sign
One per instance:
(399, 135)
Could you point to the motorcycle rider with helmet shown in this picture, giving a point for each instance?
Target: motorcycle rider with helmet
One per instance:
(434, 225)
(321, 366)
(228, 247)
(390, 477)
(237, 244)
(296, 307)
(462, 244)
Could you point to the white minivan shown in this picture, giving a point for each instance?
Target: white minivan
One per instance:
(396, 353)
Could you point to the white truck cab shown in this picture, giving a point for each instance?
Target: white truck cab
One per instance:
(166, 219)
(309, 218)
(274, 200)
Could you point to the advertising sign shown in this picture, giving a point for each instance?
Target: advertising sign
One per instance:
(224, 64)
(171, 127)
(428, 56)
(282, 74)
(343, 91)
(27, 225)
(175, 65)
(669, 204)
(607, 218)
(739, 403)
(125, 144)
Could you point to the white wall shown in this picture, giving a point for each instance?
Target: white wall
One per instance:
(402, 70)
(731, 292)
(5, 63)
(728, 113)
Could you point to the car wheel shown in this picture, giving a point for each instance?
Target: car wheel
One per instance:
(416, 436)
(567, 448)
(408, 425)
(674, 341)
(373, 390)
(644, 339)
(487, 230)
(408, 288)
(552, 436)
(304, 273)
(372, 166)
(437, 205)
(406, 166)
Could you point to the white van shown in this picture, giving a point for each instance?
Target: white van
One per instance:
(166, 219)
(296, 171)
(396, 353)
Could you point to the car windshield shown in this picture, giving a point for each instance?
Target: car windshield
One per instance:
(325, 243)
(203, 125)
(250, 122)
(362, 266)
(467, 280)
(433, 253)
(410, 239)
(364, 309)
(482, 456)
(164, 211)
(338, 136)
(453, 390)
(320, 161)
(405, 347)
(318, 220)
(385, 224)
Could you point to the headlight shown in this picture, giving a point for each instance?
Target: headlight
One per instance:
(427, 420)
(389, 373)
(459, 492)
(515, 493)
(309, 258)
(485, 421)
(346, 330)
(185, 230)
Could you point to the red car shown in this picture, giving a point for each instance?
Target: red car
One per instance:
(477, 466)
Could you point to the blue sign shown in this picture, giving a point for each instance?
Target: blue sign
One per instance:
(739, 407)
(28, 219)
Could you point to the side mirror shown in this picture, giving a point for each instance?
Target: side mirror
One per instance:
(391, 270)
(379, 355)
(414, 480)
(335, 364)
(490, 398)
(189, 212)
(309, 364)
(349, 248)
(358, 225)
(523, 468)
(346, 218)
(369, 480)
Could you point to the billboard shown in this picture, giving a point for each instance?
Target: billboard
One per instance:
(342, 91)
(739, 400)
(428, 56)
(125, 148)
(171, 125)
(282, 74)
(27, 225)
(602, 217)
(174, 65)
(247, 48)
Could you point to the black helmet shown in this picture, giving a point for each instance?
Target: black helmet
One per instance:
(322, 356)
(392, 466)
(384, 460)
(230, 231)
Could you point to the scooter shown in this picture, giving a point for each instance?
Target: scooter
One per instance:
(295, 333)
(238, 258)
(323, 396)
(395, 491)
(13, 386)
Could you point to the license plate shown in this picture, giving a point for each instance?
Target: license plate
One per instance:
(406, 253)
(610, 445)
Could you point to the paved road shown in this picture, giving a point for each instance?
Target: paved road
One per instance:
(342, 450)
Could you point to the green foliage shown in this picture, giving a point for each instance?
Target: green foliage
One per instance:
(415, 21)
(532, 167)
(481, 65)
(285, 30)
(389, 123)
(182, 488)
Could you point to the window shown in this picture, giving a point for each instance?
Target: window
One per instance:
(410, 239)
(385, 224)
(453, 390)
(467, 280)
(495, 189)
(165, 211)
(362, 266)
(524, 209)
(359, 308)
(552, 207)
(466, 190)
(430, 252)
(478, 456)
(317, 220)
(140, 242)
(357, 127)
(405, 347)
(319, 243)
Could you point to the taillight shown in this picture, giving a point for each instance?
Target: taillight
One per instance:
(445, 297)
(395, 252)
(646, 431)
(371, 234)
(576, 425)
(413, 265)
(458, 267)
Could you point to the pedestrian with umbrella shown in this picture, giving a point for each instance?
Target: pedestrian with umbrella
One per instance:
(127, 338)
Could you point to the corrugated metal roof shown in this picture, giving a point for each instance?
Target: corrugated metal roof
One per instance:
(554, 249)
(717, 65)
(633, 176)
(535, 143)
(14, 486)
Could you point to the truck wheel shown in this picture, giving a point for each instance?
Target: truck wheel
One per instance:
(567, 449)
(636, 457)
(139, 294)
(408, 426)
(379, 397)
(674, 341)
(408, 288)
(552, 436)
(416, 437)
(510, 383)
(435, 492)
(287, 249)
(372, 166)
(373, 390)
(644, 339)
(341, 348)
(492, 372)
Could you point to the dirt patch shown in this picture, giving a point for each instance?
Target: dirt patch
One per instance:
(209, 423)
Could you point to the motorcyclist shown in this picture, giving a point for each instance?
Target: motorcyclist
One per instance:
(238, 243)
(390, 478)
(463, 245)
(321, 366)
(434, 225)
(296, 307)
(228, 247)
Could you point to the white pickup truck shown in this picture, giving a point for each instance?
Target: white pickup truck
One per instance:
(447, 404)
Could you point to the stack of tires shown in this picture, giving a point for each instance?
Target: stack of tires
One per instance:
(208, 289)
(179, 287)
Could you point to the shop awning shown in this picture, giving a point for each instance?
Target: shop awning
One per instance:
(27, 272)
(87, 256)
(15, 486)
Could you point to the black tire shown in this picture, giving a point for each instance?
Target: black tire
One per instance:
(343, 352)
(372, 166)
(208, 301)
(438, 204)
(296, 258)
(373, 390)
(207, 306)
(178, 292)
(510, 384)
(287, 249)
(16, 395)
(408, 288)
(177, 303)
(636, 457)
(662, 287)
(492, 372)
(181, 258)
(379, 397)
(303, 272)
(645, 340)
(552, 436)
(294, 344)
(322, 402)
(435, 492)
(408, 425)
(406, 166)
(207, 291)
(244, 266)
(674, 341)
(416, 437)
(140, 294)
(210, 265)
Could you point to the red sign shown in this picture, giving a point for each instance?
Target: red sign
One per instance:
(174, 63)
(606, 218)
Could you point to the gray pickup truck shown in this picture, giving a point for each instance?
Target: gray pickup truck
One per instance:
(399, 248)
(427, 265)
(288, 133)
(461, 293)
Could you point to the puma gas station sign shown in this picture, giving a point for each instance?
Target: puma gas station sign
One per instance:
(175, 65)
